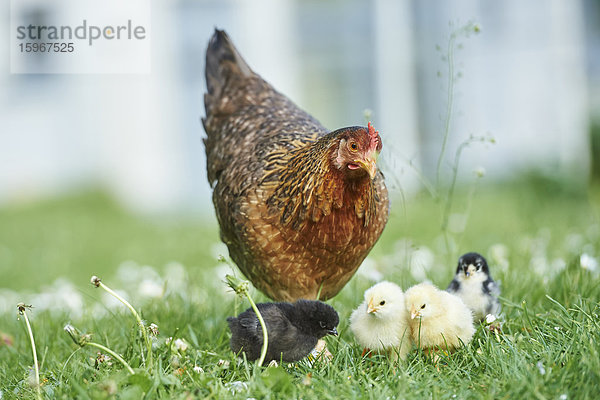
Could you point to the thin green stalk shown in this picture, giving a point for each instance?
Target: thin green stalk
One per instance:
(62, 371)
(241, 288)
(433, 191)
(449, 106)
(450, 195)
(84, 339)
(451, 83)
(263, 351)
(468, 208)
(319, 291)
(98, 283)
(112, 353)
(22, 307)
(419, 343)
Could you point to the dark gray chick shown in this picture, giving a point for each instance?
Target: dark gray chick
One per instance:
(293, 329)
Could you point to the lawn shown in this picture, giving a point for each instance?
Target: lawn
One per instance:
(541, 238)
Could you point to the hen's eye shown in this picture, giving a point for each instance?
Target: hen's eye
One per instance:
(423, 306)
(382, 302)
(353, 146)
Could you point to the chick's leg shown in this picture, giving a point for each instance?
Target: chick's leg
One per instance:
(320, 351)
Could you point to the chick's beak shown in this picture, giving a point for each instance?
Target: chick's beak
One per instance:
(469, 270)
(413, 313)
(370, 307)
(369, 164)
(333, 332)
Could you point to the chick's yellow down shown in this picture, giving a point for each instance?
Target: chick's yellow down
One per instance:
(380, 323)
(437, 318)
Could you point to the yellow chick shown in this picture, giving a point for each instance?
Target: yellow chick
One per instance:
(380, 323)
(438, 319)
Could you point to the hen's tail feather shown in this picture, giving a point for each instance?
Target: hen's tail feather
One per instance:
(222, 61)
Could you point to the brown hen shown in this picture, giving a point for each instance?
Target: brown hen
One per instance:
(299, 207)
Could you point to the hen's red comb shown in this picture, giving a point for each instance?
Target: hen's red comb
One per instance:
(373, 137)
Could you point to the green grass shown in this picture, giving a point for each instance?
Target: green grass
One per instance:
(532, 232)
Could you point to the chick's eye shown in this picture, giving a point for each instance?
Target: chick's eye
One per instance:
(382, 302)
(322, 324)
(353, 146)
(423, 306)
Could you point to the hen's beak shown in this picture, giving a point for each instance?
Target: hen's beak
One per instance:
(369, 164)
(370, 307)
(333, 332)
(413, 313)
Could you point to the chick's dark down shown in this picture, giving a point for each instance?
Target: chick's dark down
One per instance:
(293, 329)
(299, 207)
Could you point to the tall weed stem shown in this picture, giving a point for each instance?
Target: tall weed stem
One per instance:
(22, 307)
(98, 283)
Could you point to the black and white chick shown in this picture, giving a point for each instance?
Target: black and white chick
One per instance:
(475, 286)
(293, 329)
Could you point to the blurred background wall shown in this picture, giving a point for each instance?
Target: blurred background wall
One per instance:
(530, 79)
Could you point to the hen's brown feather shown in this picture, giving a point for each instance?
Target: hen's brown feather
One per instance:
(293, 222)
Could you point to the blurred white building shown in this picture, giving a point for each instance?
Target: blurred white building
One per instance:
(523, 80)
